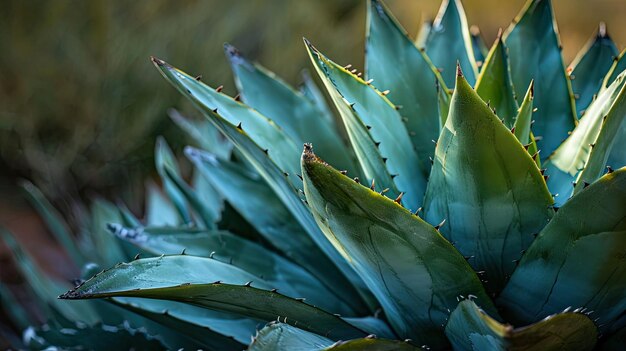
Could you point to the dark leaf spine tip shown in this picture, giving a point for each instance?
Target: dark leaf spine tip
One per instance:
(513, 130)
(398, 107)
(536, 154)
(286, 174)
(198, 77)
(217, 282)
(382, 192)
(356, 180)
(368, 127)
(274, 290)
(371, 336)
(399, 198)
(266, 151)
(459, 71)
(137, 256)
(359, 74)
(438, 226)
(344, 172)
(377, 144)
(300, 176)
(219, 89)
(609, 169)
(215, 110)
(248, 284)
(369, 81)
(373, 184)
(545, 177)
(384, 93)
(239, 126)
(385, 159)
(237, 98)
(585, 185)
(184, 251)
(300, 299)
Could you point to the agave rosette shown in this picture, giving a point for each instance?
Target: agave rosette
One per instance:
(442, 232)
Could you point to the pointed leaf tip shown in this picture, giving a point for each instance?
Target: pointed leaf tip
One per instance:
(157, 61)
(459, 71)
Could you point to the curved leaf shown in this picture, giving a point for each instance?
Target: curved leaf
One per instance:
(487, 188)
(415, 274)
(291, 279)
(298, 116)
(397, 65)
(534, 52)
(591, 66)
(587, 147)
(253, 143)
(523, 123)
(469, 328)
(281, 336)
(449, 41)
(356, 100)
(159, 210)
(164, 158)
(184, 279)
(494, 83)
(577, 260)
(480, 48)
(619, 65)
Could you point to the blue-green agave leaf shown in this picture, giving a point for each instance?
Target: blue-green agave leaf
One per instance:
(360, 103)
(590, 67)
(204, 327)
(291, 279)
(449, 41)
(12, 308)
(159, 210)
(619, 65)
(523, 124)
(577, 260)
(299, 117)
(487, 188)
(415, 274)
(480, 48)
(309, 89)
(203, 133)
(495, 85)
(108, 250)
(535, 53)
(281, 336)
(186, 278)
(372, 325)
(394, 63)
(272, 220)
(164, 158)
(265, 146)
(582, 157)
(99, 337)
(206, 216)
(471, 329)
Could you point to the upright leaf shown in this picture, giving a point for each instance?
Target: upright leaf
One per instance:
(591, 66)
(480, 48)
(535, 53)
(494, 83)
(394, 63)
(523, 123)
(471, 329)
(582, 157)
(164, 158)
(360, 103)
(299, 117)
(619, 65)
(577, 261)
(449, 41)
(415, 274)
(486, 187)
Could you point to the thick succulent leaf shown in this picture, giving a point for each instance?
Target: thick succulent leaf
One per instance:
(211, 199)
(265, 146)
(185, 279)
(415, 274)
(591, 66)
(394, 63)
(309, 89)
(193, 322)
(274, 222)
(535, 53)
(205, 214)
(487, 188)
(281, 336)
(299, 117)
(577, 260)
(96, 338)
(165, 159)
(619, 65)
(588, 146)
(356, 99)
(495, 85)
(443, 103)
(54, 221)
(159, 210)
(449, 41)
(44, 287)
(203, 133)
(291, 279)
(108, 250)
(372, 325)
(523, 123)
(480, 48)
(471, 329)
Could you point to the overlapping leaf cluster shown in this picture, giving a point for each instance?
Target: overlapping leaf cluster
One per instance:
(448, 232)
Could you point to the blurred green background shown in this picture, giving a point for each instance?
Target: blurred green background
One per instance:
(80, 104)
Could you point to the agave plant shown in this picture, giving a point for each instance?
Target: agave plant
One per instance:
(442, 232)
